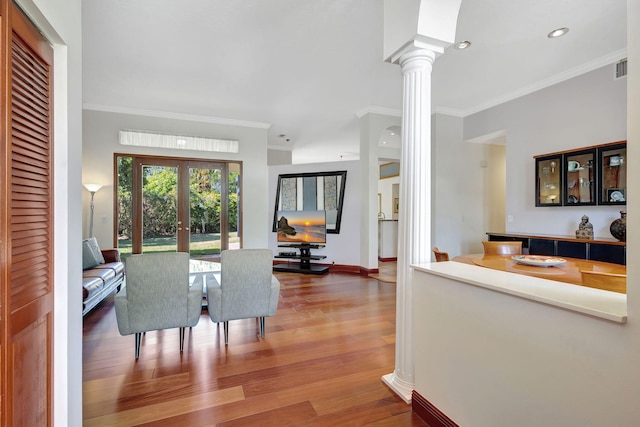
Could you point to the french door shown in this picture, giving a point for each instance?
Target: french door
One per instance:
(173, 204)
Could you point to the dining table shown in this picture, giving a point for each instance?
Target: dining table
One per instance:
(567, 271)
(208, 271)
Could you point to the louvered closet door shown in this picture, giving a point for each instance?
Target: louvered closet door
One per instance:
(27, 235)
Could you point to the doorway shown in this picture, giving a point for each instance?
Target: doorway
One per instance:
(173, 204)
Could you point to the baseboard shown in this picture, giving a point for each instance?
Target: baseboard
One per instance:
(387, 259)
(429, 413)
(367, 271)
(341, 268)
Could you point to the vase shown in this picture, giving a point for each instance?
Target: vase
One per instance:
(618, 227)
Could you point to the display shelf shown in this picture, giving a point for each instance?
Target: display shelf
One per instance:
(304, 258)
(595, 175)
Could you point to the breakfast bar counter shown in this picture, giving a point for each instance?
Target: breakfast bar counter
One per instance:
(568, 271)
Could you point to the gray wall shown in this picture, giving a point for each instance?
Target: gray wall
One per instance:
(458, 193)
(587, 110)
(101, 141)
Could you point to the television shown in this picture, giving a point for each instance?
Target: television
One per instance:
(302, 227)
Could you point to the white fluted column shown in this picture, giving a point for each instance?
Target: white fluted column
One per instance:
(414, 216)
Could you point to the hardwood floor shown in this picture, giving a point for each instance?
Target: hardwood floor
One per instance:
(320, 364)
(386, 272)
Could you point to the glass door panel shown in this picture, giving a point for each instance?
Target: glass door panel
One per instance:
(579, 178)
(168, 204)
(124, 206)
(548, 181)
(159, 209)
(613, 173)
(204, 211)
(233, 229)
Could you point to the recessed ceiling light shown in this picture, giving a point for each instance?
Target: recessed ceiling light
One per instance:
(558, 33)
(462, 45)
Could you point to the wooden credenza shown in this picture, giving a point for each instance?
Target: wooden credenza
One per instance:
(600, 249)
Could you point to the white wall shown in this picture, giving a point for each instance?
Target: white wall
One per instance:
(342, 248)
(583, 111)
(457, 203)
(101, 141)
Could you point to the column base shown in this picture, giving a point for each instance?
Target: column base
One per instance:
(399, 387)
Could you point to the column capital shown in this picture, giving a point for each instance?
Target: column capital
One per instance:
(415, 46)
(417, 60)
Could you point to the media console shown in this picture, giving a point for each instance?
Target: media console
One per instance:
(305, 257)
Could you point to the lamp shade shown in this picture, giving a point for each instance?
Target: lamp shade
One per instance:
(92, 187)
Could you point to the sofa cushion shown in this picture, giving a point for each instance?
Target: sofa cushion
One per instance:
(88, 258)
(117, 267)
(105, 274)
(91, 286)
(92, 243)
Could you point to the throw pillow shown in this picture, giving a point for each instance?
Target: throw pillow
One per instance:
(93, 244)
(88, 259)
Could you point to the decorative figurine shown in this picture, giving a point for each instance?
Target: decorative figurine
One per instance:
(585, 229)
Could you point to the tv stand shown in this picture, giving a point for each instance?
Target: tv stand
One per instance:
(305, 257)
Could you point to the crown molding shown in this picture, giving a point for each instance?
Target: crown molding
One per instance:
(378, 110)
(279, 147)
(175, 116)
(448, 111)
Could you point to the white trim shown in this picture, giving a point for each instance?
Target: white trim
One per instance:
(279, 147)
(176, 116)
(448, 111)
(372, 109)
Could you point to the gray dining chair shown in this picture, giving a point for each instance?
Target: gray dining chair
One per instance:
(157, 296)
(247, 288)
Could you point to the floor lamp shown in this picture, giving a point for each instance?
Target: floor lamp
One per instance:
(92, 189)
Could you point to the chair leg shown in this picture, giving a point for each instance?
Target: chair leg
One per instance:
(181, 339)
(262, 327)
(138, 340)
(226, 332)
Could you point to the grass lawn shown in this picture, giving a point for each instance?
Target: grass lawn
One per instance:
(200, 244)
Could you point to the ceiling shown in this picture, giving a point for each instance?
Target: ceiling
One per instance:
(305, 68)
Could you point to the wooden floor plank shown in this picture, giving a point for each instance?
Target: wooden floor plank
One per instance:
(320, 364)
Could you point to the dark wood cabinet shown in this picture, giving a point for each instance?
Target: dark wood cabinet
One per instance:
(594, 175)
(601, 249)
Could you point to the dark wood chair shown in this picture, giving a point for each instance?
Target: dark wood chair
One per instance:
(607, 281)
(502, 248)
(440, 256)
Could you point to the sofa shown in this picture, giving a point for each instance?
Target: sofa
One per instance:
(102, 273)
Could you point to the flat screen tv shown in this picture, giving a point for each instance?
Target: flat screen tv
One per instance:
(302, 227)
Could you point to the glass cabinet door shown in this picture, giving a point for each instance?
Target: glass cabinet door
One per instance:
(549, 181)
(580, 178)
(613, 175)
